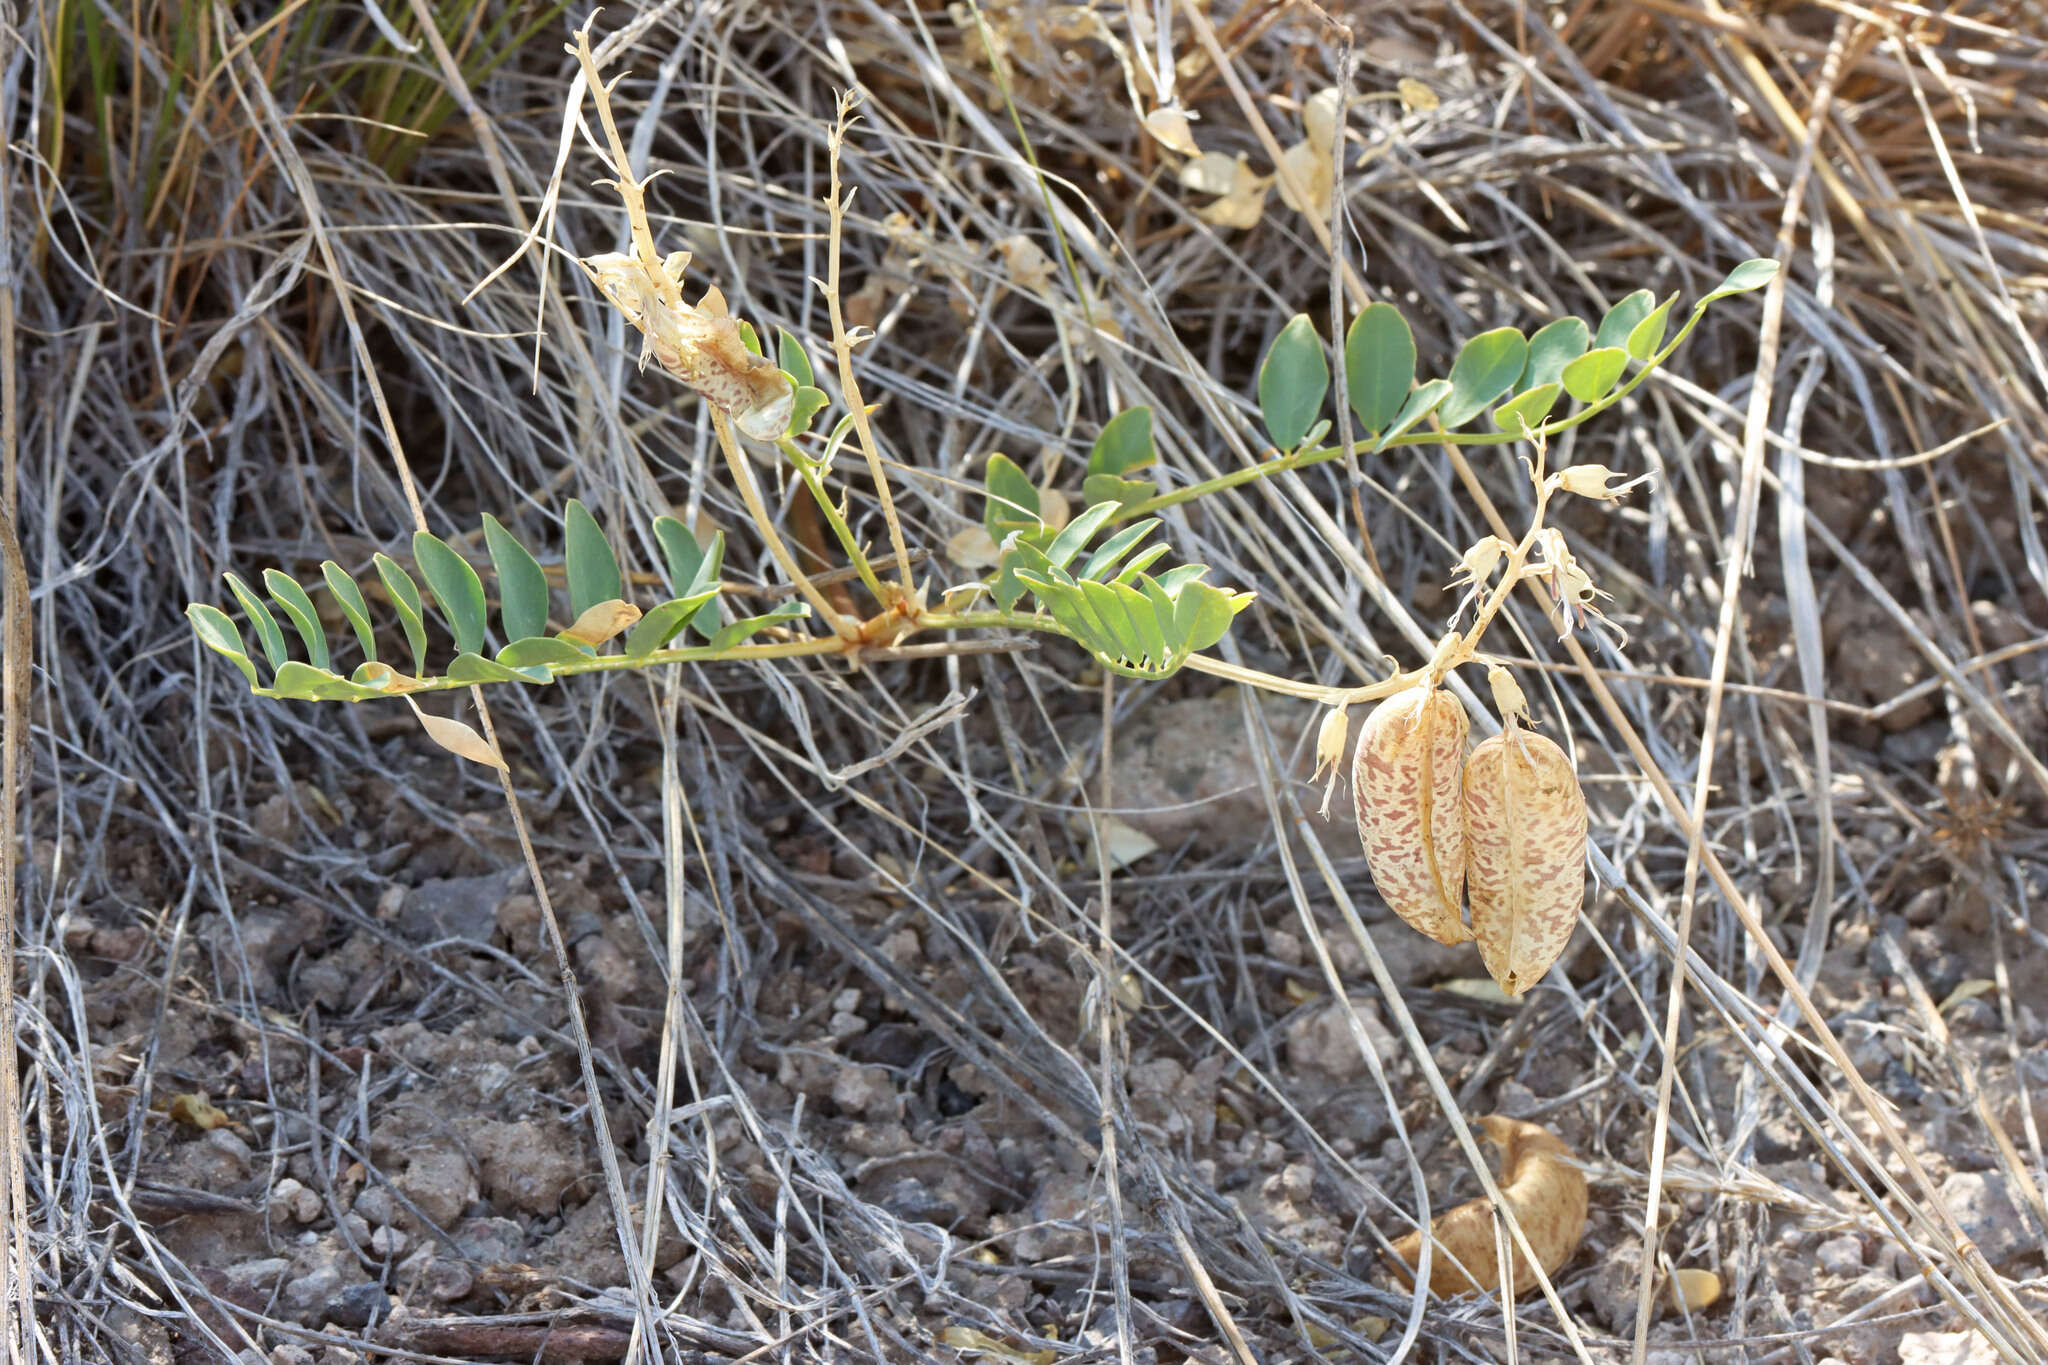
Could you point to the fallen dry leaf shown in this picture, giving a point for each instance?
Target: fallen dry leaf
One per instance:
(1416, 98)
(973, 549)
(1170, 126)
(196, 1110)
(1548, 1195)
(1695, 1290)
(1243, 191)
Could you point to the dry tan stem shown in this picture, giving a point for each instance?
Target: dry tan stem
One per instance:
(743, 480)
(842, 351)
(630, 189)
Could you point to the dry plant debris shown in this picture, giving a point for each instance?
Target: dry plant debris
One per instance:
(1543, 1186)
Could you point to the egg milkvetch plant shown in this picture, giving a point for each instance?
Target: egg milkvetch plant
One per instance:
(1431, 818)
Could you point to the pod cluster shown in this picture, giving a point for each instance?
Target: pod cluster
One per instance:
(1503, 829)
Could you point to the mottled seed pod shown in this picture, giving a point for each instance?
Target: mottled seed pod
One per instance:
(1525, 854)
(1404, 782)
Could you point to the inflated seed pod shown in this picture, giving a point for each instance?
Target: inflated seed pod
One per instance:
(1525, 854)
(1404, 783)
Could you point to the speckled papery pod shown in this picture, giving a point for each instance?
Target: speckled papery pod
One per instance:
(1404, 783)
(1525, 854)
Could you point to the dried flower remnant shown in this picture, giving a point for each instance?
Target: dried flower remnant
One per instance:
(1475, 570)
(1571, 586)
(1330, 740)
(1593, 481)
(1542, 1185)
(1525, 853)
(1404, 782)
(700, 346)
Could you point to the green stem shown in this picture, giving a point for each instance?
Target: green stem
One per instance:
(1303, 459)
(807, 470)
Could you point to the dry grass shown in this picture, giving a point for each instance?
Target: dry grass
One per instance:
(238, 249)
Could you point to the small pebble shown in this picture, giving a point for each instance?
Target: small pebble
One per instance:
(356, 1305)
(1840, 1255)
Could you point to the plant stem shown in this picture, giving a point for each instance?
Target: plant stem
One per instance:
(842, 351)
(743, 479)
(1303, 459)
(628, 186)
(807, 470)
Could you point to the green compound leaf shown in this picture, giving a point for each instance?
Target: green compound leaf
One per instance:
(789, 354)
(1486, 367)
(541, 650)
(1020, 550)
(739, 632)
(664, 623)
(1622, 319)
(1743, 278)
(749, 338)
(522, 585)
(692, 569)
(1012, 499)
(288, 594)
(1077, 533)
(456, 588)
(267, 633)
(1125, 444)
(593, 569)
(1292, 382)
(1526, 409)
(1125, 493)
(1136, 625)
(1379, 365)
(303, 682)
(1646, 336)
(475, 668)
(1116, 547)
(805, 407)
(1140, 562)
(405, 600)
(1422, 402)
(1554, 346)
(218, 633)
(350, 599)
(1589, 378)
